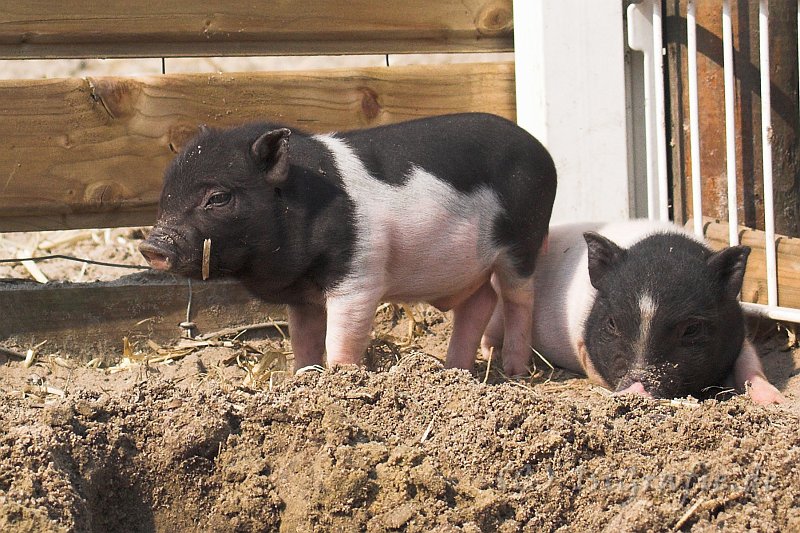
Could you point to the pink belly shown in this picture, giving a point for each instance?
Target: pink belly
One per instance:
(442, 262)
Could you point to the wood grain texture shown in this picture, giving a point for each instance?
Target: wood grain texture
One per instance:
(754, 289)
(141, 28)
(91, 152)
(90, 319)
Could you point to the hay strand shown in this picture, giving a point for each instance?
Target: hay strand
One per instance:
(488, 365)
(206, 258)
(427, 432)
(30, 357)
(688, 514)
(544, 359)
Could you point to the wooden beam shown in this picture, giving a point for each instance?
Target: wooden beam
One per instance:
(85, 28)
(88, 320)
(91, 152)
(754, 289)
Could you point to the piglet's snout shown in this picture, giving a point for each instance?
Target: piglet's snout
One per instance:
(634, 388)
(157, 254)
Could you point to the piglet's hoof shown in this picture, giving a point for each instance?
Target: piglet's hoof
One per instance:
(762, 392)
(310, 368)
(517, 371)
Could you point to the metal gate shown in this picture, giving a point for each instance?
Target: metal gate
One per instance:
(645, 25)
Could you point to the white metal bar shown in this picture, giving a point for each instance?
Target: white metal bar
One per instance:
(694, 118)
(660, 125)
(640, 37)
(786, 314)
(766, 152)
(730, 123)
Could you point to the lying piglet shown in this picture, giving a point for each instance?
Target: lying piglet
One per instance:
(643, 307)
(426, 210)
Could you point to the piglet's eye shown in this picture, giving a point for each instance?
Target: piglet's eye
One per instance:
(692, 329)
(691, 332)
(218, 199)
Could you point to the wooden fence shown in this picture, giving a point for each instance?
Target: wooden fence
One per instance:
(90, 152)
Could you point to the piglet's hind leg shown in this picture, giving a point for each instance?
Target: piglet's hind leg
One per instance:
(517, 301)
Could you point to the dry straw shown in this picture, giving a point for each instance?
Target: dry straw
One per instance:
(206, 258)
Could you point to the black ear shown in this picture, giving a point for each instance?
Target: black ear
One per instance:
(603, 256)
(728, 266)
(271, 152)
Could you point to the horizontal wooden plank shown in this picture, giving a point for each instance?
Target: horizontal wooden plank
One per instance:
(141, 28)
(754, 289)
(91, 152)
(90, 319)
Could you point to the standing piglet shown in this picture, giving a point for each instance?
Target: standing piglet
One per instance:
(644, 307)
(427, 210)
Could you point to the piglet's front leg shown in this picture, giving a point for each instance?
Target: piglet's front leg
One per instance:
(749, 376)
(307, 329)
(350, 319)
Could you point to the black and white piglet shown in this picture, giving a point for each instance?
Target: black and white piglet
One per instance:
(427, 210)
(644, 307)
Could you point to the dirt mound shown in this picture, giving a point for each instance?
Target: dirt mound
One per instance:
(411, 447)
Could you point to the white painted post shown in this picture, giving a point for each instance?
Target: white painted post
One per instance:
(570, 75)
(644, 35)
(694, 118)
(766, 153)
(730, 123)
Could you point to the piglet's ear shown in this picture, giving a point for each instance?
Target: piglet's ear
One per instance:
(728, 266)
(271, 152)
(603, 256)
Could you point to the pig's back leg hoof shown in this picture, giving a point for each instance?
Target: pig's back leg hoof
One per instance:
(517, 298)
(513, 278)
(470, 318)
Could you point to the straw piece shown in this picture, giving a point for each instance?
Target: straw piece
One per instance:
(69, 239)
(488, 365)
(427, 431)
(688, 514)
(32, 267)
(206, 258)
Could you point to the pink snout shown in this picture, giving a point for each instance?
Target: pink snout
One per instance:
(155, 256)
(635, 388)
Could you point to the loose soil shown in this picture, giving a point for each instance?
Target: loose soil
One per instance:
(221, 438)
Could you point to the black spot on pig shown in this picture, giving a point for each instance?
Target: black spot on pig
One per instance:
(665, 314)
